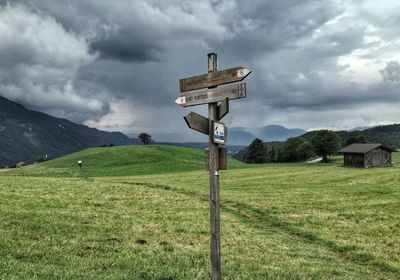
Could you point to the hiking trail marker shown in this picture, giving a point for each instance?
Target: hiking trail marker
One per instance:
(203, 89)
(218, 133)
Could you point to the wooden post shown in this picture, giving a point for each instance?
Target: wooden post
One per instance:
(217, 131)
(214, 183)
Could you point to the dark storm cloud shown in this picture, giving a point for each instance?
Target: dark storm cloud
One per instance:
(123, 49)
(114, 31)
(345, 96)
(305, 55)
(133, 31)
(268, 26)
(39, 71)
(308, 76)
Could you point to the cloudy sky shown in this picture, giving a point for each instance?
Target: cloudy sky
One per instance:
(115, 65)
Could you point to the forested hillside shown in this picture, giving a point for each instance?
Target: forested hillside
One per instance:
(27, 135)
(389, 135)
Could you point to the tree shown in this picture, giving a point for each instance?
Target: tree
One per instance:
(107, 145)
(272, 154)
(144, 138)
(304, 151)
(295, 149)
(356, 139)
(256, 152)
(325, 143)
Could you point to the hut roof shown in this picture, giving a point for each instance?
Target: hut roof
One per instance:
(358, 148)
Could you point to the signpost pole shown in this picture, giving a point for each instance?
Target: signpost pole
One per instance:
(217, 131)
(214, 183)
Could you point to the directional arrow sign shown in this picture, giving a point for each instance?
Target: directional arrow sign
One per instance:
(197, 122)
(212, 95)
(212, 79)
(223, 109)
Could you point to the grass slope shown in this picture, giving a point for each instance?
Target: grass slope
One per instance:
(123, 161)
(278, 221)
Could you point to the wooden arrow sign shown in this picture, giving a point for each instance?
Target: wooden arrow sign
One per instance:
(213, 79)
(197, 122)
(212, 95)
(223, 109)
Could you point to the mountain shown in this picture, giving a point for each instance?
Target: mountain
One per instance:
(26, 135)
(244, 136)
(359, 128)
(388, 135)
(277, 132)
(239, 136)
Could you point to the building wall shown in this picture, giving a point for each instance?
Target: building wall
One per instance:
(378, 157)
(354, 160)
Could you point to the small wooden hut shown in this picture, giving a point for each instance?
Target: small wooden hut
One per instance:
(367, 155)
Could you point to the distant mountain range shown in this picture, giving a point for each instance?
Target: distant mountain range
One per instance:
(237, 136)
(27, 135)
(359, 128)
(244, 136)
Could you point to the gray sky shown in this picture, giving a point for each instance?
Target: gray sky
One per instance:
(115, 65)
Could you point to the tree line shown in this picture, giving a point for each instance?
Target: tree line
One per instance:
(323, 144)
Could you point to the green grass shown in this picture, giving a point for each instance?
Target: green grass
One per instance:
(150, 221)
(123, 161)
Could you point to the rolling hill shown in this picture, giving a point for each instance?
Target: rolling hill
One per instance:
(122, 161)
(26, 135)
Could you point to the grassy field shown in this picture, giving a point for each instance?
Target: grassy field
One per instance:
(142, 213)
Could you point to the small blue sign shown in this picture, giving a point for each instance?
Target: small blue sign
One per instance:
(219, 133)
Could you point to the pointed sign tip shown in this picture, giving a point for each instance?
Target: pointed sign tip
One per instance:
(243, 73)
(181, 101)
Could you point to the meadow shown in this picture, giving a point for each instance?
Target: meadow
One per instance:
(142, 212)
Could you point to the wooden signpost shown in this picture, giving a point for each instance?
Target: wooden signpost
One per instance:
(193, 93)
(197, 122)
(214, 78)
(212, 95)
(223, 109)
